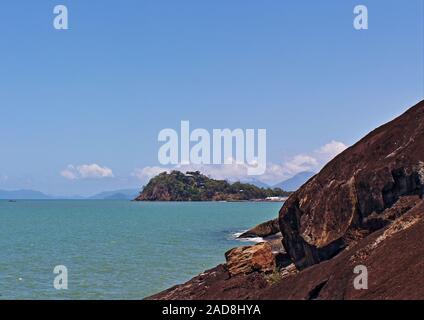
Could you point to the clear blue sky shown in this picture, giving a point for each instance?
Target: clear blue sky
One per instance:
(101, 91)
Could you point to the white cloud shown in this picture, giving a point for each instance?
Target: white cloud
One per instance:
(94, 171)
(299, 163)
(69, 173)
(274, 173)
(86, 171)
(3, 178)
(313, 161)
(332, 149)
(146, 173)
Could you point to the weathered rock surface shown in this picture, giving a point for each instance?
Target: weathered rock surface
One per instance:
(276, 242)
(269, 231)
(265, 229)
(394, 256)
(248, 259)
(334, 208)
(365, 207)
(216, 284)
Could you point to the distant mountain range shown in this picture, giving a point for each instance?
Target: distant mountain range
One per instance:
(291, 184)
(123, 194)
(296, 181)
(23, 194)
(256, 182)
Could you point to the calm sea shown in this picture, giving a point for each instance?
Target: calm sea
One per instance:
(115, 249)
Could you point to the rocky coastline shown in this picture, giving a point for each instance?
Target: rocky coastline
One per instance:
(364, 208)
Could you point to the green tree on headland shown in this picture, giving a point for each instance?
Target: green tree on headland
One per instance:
(194, 186)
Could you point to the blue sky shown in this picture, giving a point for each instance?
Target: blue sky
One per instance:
(100, 92)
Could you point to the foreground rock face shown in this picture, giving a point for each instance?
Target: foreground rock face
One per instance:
(248, 259)
(216, 284)
(365, 208)
(332, 209)
(394, 256)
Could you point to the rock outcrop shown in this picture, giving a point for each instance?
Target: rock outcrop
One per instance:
(333, 208)
(393, 255)
(248, 259)
(270, 232)
(216, 284)
(365, 208)
(194, 186)
(262, 230)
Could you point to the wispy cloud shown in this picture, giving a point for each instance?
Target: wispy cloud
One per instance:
(313, 161)
(86, 171)
(330, 150)
(3, 178)
(275, 172)
(146, 173)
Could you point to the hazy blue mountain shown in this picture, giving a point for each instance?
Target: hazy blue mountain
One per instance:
(296, 181)
(72, 197)
(255, 182)
(23, 194)
(124, 194)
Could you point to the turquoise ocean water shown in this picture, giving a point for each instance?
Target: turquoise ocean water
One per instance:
(115, 249)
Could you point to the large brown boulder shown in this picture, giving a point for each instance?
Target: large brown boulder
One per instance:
(248, 259)
(333, 209)
(393, 256)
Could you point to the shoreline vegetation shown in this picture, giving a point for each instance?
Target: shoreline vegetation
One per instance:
(194, 186)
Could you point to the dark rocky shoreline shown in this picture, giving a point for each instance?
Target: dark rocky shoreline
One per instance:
(364, 208)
